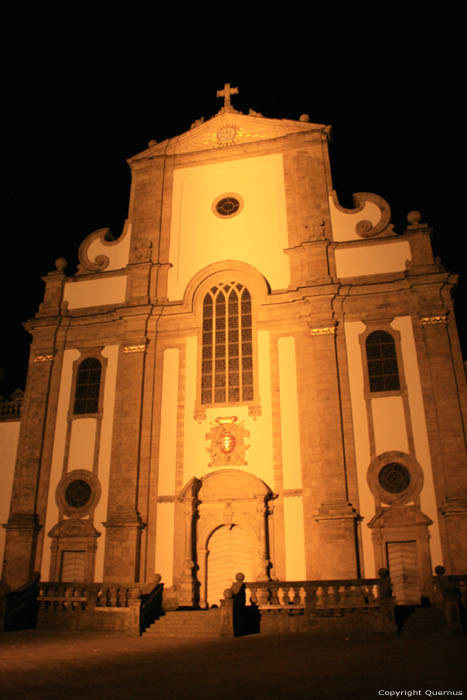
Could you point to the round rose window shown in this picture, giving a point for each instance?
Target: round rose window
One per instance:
(394, 477)
(78, 493)
(228, 206)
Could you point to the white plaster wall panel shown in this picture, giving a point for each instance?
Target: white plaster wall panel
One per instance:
(101, 292)
(194, 461)
(58, 454)
(372, 259)
(118, 252)
(290, 430)
(105, 450)
(295, 569)
(366, 503)
(259, 455)
(165, 542)
(199, 237)
(344, 223)
(168, 441)
(82, 444)
(420, 435)
(389, 424)
(9, 436)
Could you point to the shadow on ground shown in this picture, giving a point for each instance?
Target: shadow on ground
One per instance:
(92, 666)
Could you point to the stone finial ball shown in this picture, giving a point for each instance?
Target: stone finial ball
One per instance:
(304, 117)
(414, 217)
(439, 570)
(383, 573)
(157, 578)
(152, 143)
(228, 593)
(61, 264)
(240, 577)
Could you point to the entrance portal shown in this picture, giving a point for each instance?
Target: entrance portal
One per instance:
(226, 516)
(229, 552)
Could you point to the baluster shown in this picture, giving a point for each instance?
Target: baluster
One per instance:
(262, 595)
(295, 599)
(311, 597)
(252, 589)
(370, 595)
(335, 597)
(324, 596)
(112, 596)
(274, 589)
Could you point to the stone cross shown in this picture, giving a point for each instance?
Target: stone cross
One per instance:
(226, 92)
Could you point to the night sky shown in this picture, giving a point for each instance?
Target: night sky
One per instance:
(84, 91)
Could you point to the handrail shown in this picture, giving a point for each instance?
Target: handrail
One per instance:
(151, 607)
(21, 606)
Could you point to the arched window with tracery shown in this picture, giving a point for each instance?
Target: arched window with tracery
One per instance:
(383, 371)
(227, 345)
(88, 382)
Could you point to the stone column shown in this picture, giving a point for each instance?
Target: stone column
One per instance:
(336, 516)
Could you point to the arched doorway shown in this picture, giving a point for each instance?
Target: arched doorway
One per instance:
(226, 517)
(230, 550)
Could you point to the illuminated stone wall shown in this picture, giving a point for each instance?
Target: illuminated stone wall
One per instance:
(297, 471)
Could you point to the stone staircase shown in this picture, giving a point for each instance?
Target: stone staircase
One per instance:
(198, 624)
(420, 621)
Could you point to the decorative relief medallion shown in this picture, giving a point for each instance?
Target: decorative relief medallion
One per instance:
(226, 135)
(227, 442)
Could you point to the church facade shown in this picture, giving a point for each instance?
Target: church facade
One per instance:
(250, 378)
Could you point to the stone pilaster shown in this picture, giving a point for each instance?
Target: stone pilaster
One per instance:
(124, 524)
(449, 453)
(336, 516)
(23, 523)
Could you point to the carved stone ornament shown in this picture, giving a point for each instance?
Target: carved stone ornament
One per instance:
(46, 357)
(226, 135)
(315, 227)
(227, 442)
(434, 320)
(143, 248)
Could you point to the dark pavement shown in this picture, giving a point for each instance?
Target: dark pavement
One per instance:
(96, 666)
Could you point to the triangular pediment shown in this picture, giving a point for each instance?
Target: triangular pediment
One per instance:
(227, 128)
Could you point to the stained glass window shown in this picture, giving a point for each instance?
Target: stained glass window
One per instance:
(227, 345)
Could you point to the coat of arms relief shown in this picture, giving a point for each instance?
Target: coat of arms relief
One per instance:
(227, 442)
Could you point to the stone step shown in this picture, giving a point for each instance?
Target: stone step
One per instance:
(193, 623)
(422, 621)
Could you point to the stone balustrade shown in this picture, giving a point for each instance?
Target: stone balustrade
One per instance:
(10, 409)
(348, 594)
(89, 605)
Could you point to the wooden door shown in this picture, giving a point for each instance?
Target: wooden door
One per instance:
(229, 552)
(403, 570)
